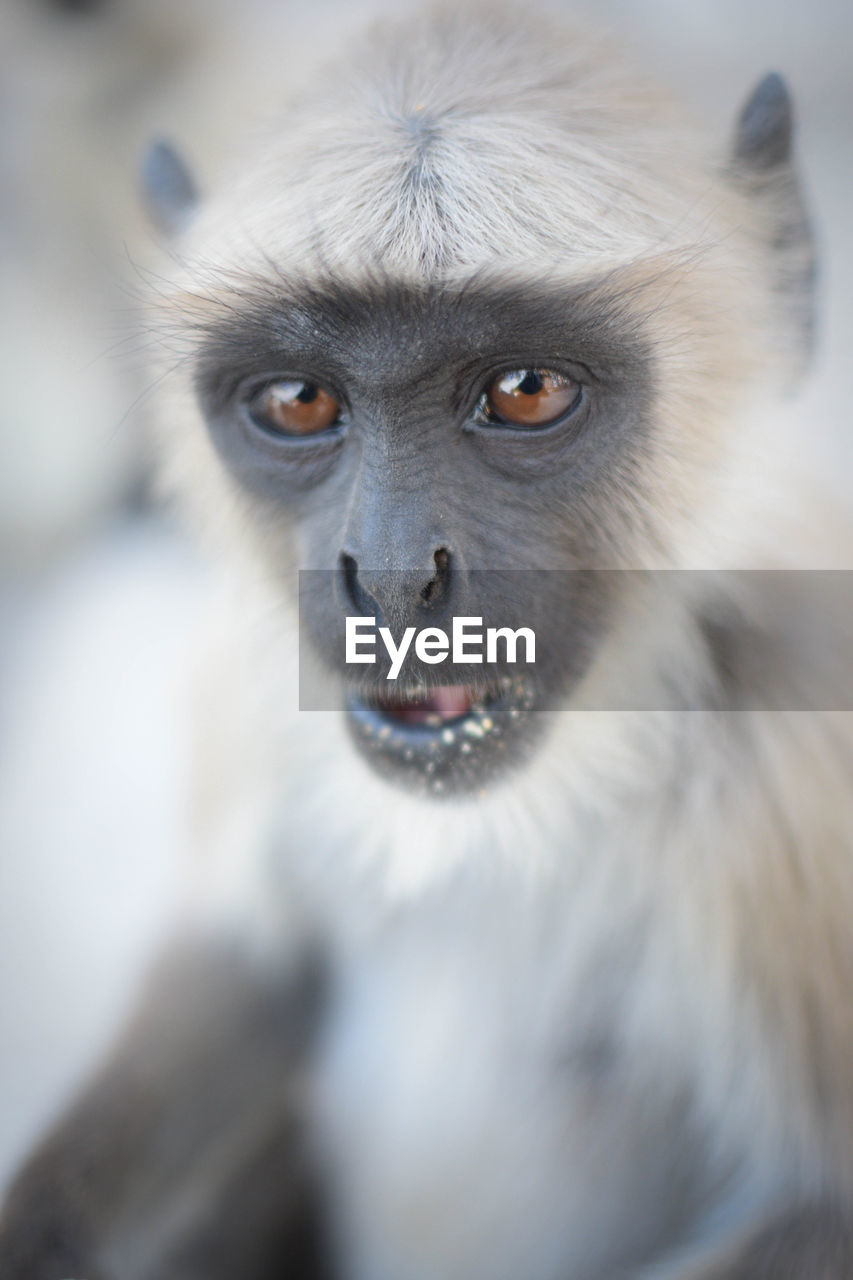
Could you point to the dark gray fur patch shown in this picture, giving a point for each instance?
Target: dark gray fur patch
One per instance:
(185, 1159)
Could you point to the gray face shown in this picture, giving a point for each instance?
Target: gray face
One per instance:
(415, 502)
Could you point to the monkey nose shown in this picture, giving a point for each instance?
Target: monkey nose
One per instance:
(394, 595)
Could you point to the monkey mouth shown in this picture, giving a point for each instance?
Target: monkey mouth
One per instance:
(434, 709)
(445, 740)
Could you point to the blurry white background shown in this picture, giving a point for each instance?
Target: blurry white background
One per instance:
(99, 592)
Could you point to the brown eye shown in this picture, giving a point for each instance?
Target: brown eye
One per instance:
(294, 408)
(531, 397)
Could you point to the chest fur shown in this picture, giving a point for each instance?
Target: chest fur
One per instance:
(488, 1107)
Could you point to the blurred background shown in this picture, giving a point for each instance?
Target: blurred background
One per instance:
(99, 589)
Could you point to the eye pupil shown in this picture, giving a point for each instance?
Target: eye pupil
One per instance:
(530, 398)
(308, 393)
(532, 383)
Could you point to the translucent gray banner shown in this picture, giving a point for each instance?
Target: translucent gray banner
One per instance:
(605, 639)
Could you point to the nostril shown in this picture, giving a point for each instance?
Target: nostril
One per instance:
(349, 569)
(436, 590)
(362, 600)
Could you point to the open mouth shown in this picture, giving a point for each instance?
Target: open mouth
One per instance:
(435, 709)
(448, 739)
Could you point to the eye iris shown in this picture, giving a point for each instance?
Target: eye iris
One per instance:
(294, 408)
(531, 397)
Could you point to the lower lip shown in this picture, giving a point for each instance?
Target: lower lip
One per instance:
(441, 719)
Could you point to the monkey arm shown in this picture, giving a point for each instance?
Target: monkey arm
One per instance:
(184, 1158)
(807, 1242)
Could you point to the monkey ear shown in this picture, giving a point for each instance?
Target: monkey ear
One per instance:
(765, 126)
(762, 164)
(169, 191)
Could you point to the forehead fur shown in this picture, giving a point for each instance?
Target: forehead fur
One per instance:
(461, 138)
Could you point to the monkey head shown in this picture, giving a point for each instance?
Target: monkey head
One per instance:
(475, 352)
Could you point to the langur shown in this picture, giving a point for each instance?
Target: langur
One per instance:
(543, 972)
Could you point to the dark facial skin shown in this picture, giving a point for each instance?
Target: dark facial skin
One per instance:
(416, 503)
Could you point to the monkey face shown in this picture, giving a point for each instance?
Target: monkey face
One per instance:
(426, 454)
